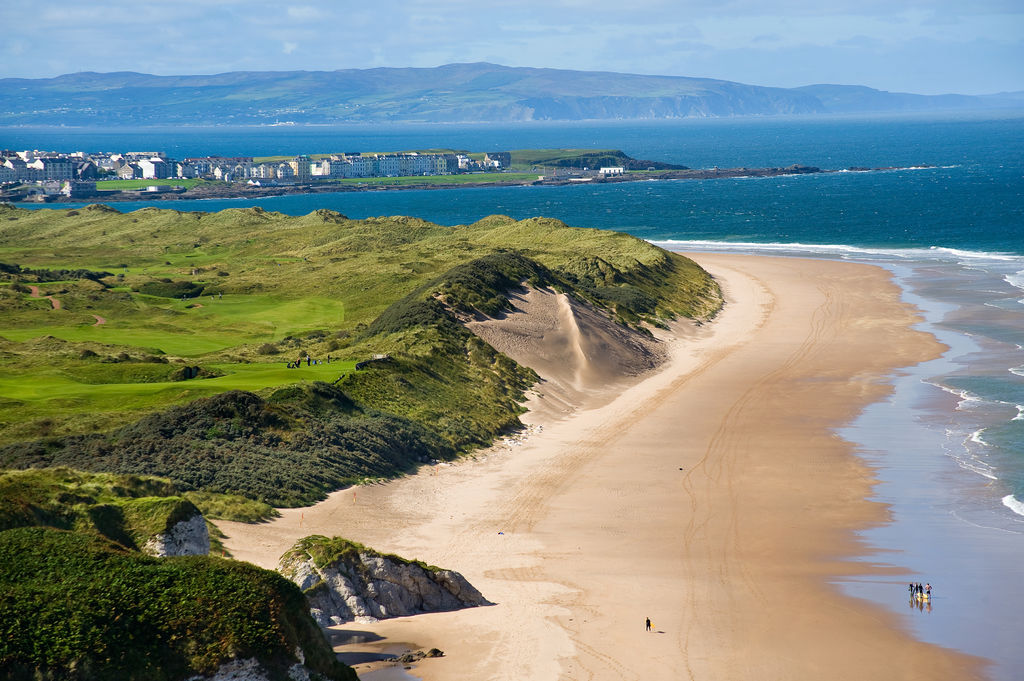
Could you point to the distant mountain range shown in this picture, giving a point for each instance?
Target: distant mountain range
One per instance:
(452, 93)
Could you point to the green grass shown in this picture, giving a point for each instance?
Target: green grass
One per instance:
(319, 284)
(541, 157)
(60, 395)
(121, 185)
(65, 498)
(174, 326)
(325, 551)
(467, 178)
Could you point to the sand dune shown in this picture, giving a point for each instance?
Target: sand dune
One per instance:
(582, 356)
(710, 495)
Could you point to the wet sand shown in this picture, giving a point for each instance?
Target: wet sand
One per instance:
(713, 496)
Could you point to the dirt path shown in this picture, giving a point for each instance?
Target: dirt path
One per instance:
(99, 320)
(34, 293)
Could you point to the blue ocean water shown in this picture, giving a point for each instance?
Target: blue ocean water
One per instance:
(949, 225)
(971, 199)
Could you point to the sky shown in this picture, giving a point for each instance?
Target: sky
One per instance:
(919, 46)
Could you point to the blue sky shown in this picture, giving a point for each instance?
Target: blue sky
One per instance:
(927, 47)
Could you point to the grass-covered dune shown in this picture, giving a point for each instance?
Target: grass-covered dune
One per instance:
(171, 343)
(127, 509)
(79, 600)
(77, 606)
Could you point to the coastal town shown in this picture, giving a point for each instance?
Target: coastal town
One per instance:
(53, 177)
(46, 175)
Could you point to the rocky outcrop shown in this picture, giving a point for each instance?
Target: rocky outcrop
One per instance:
(189, 537)
(250, 669)
(345, 581)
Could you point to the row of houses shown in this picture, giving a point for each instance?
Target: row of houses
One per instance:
(36, 166)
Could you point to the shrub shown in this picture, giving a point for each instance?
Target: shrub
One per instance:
(289, 450)
(172, 289)
(74, 606)
(267, 349)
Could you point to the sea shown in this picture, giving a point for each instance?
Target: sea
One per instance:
(942, 211)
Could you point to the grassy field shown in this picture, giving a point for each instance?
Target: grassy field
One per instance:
(121, 185)
(467, 178)
(195, 306)
(523, 162)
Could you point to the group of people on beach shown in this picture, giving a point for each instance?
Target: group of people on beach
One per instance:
(920, 596)
(918, 591)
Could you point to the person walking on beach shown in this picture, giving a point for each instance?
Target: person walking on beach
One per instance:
(648, 624)
(928, 590)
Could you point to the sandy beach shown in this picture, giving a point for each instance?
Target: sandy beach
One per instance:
(710, 494)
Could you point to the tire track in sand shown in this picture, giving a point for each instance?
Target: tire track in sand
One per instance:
(716, 471)
(523, 508)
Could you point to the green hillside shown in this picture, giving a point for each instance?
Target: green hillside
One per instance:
(165, 343)
(449, 93)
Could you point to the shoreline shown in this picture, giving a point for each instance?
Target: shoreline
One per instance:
(947, 516)
(654, 506)
(243, 191)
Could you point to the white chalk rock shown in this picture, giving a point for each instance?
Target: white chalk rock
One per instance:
(359, 584)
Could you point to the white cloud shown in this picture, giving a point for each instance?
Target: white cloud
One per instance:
(304, 13)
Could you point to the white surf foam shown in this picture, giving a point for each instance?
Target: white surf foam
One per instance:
(977, 438)
(1016, 280)
(1014, 504)
(959, 447)
(939, 253)
(967, 399)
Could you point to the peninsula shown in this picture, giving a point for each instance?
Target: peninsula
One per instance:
(37, 176)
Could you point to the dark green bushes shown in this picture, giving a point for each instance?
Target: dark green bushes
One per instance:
(480, 285)
(43, 275)
(172, 289)
(289, 451)
(127, 509)
(74, 606)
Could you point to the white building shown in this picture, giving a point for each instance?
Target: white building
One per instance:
(155, 168)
